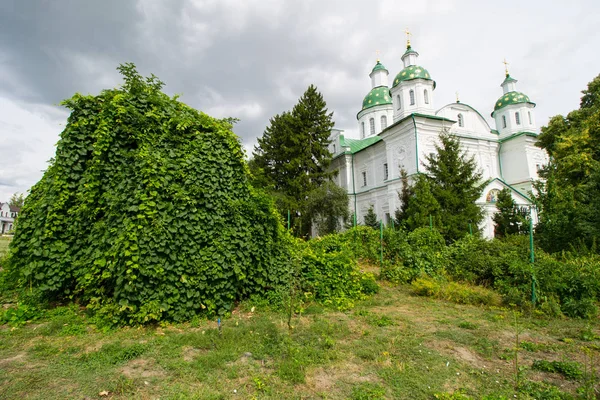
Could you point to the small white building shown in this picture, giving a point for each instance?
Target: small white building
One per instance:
(8, 215)
(399, 125)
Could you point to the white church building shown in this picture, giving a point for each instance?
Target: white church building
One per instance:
(399, 125)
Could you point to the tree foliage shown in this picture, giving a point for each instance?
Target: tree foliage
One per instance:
(146, 212)
(568, 196)
(510, 218)
(370, 219)
(17, 200)
(292, 157)
(404, 196)
(328, 206)
(447, 192)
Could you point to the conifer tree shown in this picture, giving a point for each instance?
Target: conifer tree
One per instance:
(422, 207)
(404, 196)
(456, 184)
(370, 219)
(510, 218)
(293, 156)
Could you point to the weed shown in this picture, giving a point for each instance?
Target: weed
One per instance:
(468, 325)
(368, 391)
(569, 369)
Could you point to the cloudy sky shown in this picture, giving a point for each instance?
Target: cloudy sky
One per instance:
(252, 59)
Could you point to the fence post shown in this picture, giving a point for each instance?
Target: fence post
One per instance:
(381, 243)
(288, 220)
(430, 222)
(532, 258)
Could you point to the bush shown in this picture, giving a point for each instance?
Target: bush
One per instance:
(569, 369)
(146, 212)
(455, 292)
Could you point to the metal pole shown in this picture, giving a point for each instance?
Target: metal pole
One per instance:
(381, 242)
(288, 220)
(430, 222)
(532, 257)
(470, 229)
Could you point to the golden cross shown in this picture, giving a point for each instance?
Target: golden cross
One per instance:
(377, 52)
(407, 37)
(505, 66)
(457, 99)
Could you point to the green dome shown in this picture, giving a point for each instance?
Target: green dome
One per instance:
(411, 72)
(511, 98)
(379, 66)
(378, 96)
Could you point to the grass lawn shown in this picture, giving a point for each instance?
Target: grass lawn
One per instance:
(4, 241)
(393, 345)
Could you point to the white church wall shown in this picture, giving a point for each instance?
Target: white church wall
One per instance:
(376, 113)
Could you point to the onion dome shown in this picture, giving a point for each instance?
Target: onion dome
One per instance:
(379, 66)
(378, 96)
(411, 72)
(511, 98)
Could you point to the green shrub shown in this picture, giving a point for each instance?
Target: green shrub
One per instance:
(569, 369)
(20, 315)
(146, 212)
(456, 292)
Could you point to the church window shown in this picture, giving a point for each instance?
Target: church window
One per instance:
(412, 97)
(362, 130)
(383, 122)
(426, 96)
(518, 118)
(372, 125)
(529, 113)
(364, 178)
(461, 122)
(504, 121)
(385, 172)
(399, 102)
(334, 149)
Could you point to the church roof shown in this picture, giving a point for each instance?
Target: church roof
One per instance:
(357, 145)
(511, 98)
(411, 72)
(378, 96)
(379, 66)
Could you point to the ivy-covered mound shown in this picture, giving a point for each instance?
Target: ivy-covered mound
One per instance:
(146, 212)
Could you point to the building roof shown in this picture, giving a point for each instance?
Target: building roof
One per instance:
(379, 67)
(357, 145)
(511, 98)
(14, 209)
(411, 72)
(378, 96)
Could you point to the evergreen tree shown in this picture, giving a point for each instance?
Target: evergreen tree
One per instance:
(510, 218)
(567, 199)
(422, 208)
(370, 219)
(404, 196)
(292, 156)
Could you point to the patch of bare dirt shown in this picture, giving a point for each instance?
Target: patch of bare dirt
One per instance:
(190, 353)
(460, 353)
(10, 360)
(324, 379)
(142, 368)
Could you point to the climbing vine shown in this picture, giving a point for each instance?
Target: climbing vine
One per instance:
(146, 213)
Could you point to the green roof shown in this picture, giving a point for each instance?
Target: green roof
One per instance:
(378, 66)
(511, 98)
(411, 72)
(409, 50)
(378, 96)
(357, 145)
(509, 79)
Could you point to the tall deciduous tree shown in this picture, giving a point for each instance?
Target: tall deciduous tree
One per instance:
(17, 200)
(328, 206)
(510, 218)
(293, 157)
(568, 197)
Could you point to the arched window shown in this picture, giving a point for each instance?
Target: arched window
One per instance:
(362, 130)
(399, 102)
(372, 126)
(334, 150)
(504, 121)
(529, 113)
(426, 96)
(461, 122)
(518, 118)
(412, 97)
(383, 122)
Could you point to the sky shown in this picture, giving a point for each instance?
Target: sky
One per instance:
(252, 59)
